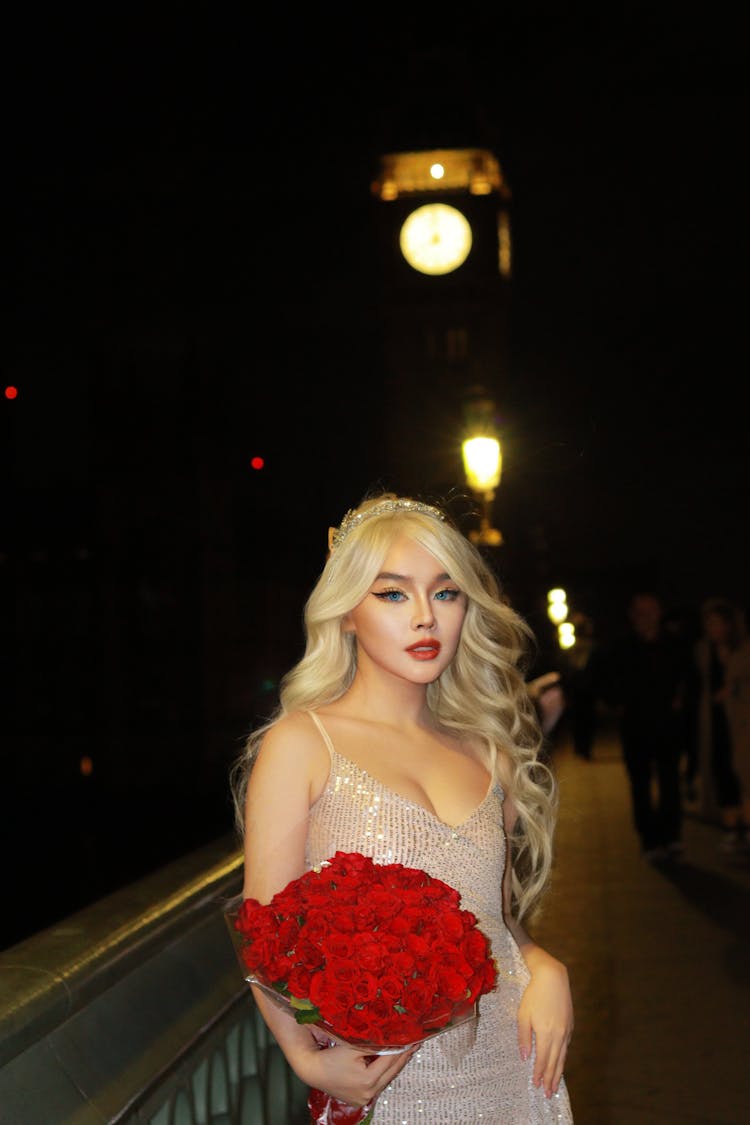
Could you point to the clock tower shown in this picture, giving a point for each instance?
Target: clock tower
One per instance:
(443, 233)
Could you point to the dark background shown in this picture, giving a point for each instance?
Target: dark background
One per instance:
(193, 281)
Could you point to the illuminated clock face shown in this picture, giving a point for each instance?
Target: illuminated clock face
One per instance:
(435, 238)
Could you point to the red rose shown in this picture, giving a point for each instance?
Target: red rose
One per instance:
(255, 920)
(287, 933)
(451, 927)
(474, 947)
(316, 926)
(338, 946)
(332, 997)
(299, 982)
(259, 953)
(365, 988)
(402, 963)
(418, 996)
(452, 985)
(360, 1025)
(400, 1029)
(342, 969)
(391, 988)
(489, 971)
(369, 953)
(308, 953)
(417, 945)
(278, 968)
(364, 916)
(385, 903)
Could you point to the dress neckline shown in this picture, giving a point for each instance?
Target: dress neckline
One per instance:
(493, 784)
(417, 804)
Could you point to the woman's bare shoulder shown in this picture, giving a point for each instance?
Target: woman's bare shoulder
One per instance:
(295, 730)
(294, 742)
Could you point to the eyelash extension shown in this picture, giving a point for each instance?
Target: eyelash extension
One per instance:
(452, 593)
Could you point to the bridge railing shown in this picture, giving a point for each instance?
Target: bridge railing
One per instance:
(134, 1010)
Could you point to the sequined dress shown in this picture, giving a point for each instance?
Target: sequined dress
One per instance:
(471, 1075)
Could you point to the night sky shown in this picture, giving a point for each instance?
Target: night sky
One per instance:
(192, 276)
(168, 177)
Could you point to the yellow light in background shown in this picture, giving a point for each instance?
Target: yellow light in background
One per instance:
(557, 612)
(473, 170)
(566, 634)
(435, 238)
(504, 260)
(557, 605)
(482, 463)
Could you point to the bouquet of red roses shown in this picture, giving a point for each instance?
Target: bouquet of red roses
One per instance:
(379, 955)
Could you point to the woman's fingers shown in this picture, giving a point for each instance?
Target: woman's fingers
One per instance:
(549, 1062)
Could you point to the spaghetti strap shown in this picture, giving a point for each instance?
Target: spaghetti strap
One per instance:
(323, 732)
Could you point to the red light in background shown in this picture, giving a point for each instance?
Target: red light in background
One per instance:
(11, 392)
(257, 462)
(86, 766)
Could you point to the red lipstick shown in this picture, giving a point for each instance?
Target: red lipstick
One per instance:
(424, 650)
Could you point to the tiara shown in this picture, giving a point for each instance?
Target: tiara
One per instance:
(353, 518)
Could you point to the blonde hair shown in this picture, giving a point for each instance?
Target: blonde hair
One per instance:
(482, 694)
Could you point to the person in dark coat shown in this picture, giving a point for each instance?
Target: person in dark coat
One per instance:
(646, 681)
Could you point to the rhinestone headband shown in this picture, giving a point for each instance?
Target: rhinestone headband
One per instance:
(353, 518)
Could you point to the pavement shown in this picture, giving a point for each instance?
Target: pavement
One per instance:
(658, 954)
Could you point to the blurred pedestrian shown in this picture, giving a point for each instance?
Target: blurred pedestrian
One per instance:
(645, 681)
(738, 711)
(580, 685)
(548, 696)
(684, 625)
(722, 634)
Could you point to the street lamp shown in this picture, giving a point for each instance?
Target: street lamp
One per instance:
(483, 464)
(557, 606)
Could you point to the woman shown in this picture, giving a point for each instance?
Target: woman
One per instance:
(406, 732)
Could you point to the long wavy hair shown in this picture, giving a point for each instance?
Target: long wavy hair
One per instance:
(481, 695)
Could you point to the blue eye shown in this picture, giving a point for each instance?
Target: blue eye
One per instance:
(390, 595)
(447, 595)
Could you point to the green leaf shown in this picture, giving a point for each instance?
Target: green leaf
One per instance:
(307, 1015)
(302, 1005)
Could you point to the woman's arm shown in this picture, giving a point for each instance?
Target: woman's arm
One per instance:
(289, 773)
(545, 1014)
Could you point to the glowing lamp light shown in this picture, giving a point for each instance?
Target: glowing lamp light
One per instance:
(437, 171)
(482, 463)
(566, 634)
(11, 392)
(557, 606)
(256, 462)
(557, 612)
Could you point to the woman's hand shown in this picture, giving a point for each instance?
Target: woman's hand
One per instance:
(545, 1019)
(346, 1074)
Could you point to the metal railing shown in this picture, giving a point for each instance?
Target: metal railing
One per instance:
(134, 1010)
